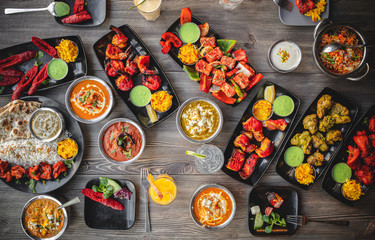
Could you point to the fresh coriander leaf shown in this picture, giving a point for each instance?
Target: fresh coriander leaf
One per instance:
(265, 218)
(126, 129)
(268, 229)
(39, 55)
(65, 174)
(113, 151)
(103, 182)
(46, 82)
(18, 181)
(58, 180)
(2, 89)
(32, 184)
(69, 163)
(44, 182)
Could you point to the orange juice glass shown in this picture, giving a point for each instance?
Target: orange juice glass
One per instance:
(166, 185)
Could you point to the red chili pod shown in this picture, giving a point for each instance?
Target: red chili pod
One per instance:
(17, 59)
(8, 80)
(79, 5)
(25, 82)
(77, 18)
(11, 72)
(44, 46)
(38, 80)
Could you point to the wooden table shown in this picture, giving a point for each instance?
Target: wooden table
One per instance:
(255, 24)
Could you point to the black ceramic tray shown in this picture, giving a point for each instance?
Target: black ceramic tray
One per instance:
(289, 207)
(73, 127)
(76, 69)
(141, 49)
(287, 172)
(96, 9)
(276, 136)
(99, 216)
(175, 27)
(328, 184)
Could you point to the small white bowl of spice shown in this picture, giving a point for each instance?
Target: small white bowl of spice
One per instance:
(284, 56)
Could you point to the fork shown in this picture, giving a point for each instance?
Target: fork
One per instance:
(284, 4)
(302, 220)
(145, 185)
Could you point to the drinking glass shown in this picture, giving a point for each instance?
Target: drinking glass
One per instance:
(230, 4)
(150, 9)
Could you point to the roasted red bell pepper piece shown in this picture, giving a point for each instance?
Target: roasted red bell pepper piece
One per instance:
(353, 157)
(166, 46)
(220, 95)
(205, 28)
(44, 46)
(98, 197)
(77, 18)
(169, 38)
(17, 59)
(58, 168)
(17, 171)
(362, 142)
(231, 73)
(79, 5)
(254, 80)
(205, 82)
(33, 172)
(240, 55)
(371, 124)
(185, 16)
(25, 82)
(8, 80)
(10, 72)
(38, 80)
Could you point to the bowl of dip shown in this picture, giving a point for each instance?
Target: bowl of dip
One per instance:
(283, 106)
(199, 120)
(161, 101)
(341, 172)
(89, 99)
(46, 124)
(189, 32)
(262, 110)
(121, 141)
(294, 156)
(284, 56)
(140, 96)
(201, 203)
(57, 69)
(41, 211)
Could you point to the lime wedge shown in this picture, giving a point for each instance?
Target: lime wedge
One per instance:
(191, 153)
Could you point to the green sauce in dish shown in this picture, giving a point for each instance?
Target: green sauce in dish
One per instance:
(283, 106)
(294, 156)
(189, 32)
(57, 69)
(62, 9)
(341, 172)
(140, 96)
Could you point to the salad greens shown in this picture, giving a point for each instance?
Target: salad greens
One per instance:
(274, 219)
(106, 186)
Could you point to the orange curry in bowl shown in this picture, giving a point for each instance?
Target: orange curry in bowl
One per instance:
(122, 141)
(42, 219)
(212, 207)
(89, 99)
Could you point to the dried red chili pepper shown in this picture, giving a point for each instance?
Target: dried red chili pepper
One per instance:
(25, 82)
(98, 197)
(79, 5)
(17, 59)
(77, 18)
(38, 80)
(11, 72)
(8, 80)
(44, 47)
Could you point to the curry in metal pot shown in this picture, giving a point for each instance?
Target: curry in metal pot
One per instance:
(199, 120)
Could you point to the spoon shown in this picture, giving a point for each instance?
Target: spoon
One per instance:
(69, 203)
(335, 46)
(50, 8)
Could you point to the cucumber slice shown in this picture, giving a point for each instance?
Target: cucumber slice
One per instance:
(258, 222)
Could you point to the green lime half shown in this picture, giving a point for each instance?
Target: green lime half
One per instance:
(191, 153)
(193, 74)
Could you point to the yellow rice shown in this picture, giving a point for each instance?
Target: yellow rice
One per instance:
(67, 50)
(304, 174)
(352, 190)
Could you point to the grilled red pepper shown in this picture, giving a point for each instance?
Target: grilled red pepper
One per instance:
(362, 142)
(58, 168)
(169, 38)
(254, 80)
(8, 80)
(371, 124)
(25, 82)
(240, 55)
(44, 46)
(205, 82)
(17, 59)
(38, 80)
(79, 5)
(205, 28)
(220, 95)
(11, 72)
(185, 16)
(17, 171)
(166, 46)
(77, 18)
(231, 73)
(98, 197)
(353, 158)
(274, 199)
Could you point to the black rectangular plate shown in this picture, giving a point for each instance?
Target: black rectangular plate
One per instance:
(328, 184)
(175, 27)
(96, 9)
(289, 207)
(276, 136)
(287, 172)
(141, 49)
(99, 216)
(76, 69)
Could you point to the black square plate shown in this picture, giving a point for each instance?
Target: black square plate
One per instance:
(102, 217)
(76, 69)
(287, 172)
(329, 185)
(96, 9)
(141, 49)
(276, 136)
(175, 27)
(289, 207)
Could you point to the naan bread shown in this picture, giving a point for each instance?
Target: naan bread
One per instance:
(14, 119)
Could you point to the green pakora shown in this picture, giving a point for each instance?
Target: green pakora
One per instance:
(310, 122)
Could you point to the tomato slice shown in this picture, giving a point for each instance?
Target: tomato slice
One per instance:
(268, 211)
(185, 16)
(204, 29)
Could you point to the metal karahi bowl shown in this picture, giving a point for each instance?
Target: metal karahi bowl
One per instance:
(61, 119)
(181, 131)
(99, 118)
(24, 228)
(101, 134)
(191, 208)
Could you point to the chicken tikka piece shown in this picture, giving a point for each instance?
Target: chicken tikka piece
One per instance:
(302, 140)
(310, 122)
(324, 104)
(316, 159)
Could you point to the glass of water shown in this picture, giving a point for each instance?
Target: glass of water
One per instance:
(230, 4)
(213, 161)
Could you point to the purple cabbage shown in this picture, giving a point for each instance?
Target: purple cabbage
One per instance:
(123, 193)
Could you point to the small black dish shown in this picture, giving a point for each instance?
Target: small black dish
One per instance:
(141, 49)
(76, 69)
(276, 136)
(73, 127)
(96, 9)
(99, 216)
(289, 207)
(329, 185)
(175, 27)
(287, 172)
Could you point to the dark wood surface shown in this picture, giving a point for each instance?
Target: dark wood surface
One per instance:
(255, 24)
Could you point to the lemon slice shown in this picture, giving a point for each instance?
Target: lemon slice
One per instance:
(269, 93)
